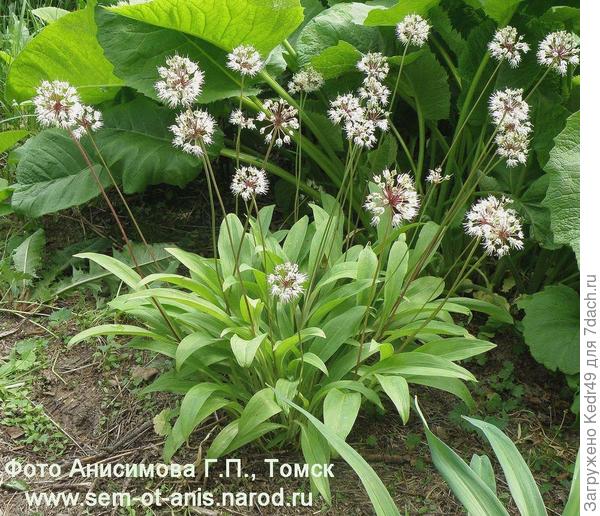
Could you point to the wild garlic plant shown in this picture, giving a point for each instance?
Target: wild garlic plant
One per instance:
(290, 331)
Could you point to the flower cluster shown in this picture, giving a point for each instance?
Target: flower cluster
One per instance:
(282, 121)
(558, 50)
(413, 30)
(245, 60)
(435, 176)
(396, 193)
(286, 282)
(193, 131)
(181, 82)
(306, 81)
(510, 113)
(496, 224)
(238, 118)
(57, 104)
(508, 45)
(363, 113)
(248, 182)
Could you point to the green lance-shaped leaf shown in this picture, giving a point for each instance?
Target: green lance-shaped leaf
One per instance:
(10, 138)
(340, 410)
(27, 257)
(245, 350)
(473, 493)
(520, 481)
(383, 504)
(396, 387)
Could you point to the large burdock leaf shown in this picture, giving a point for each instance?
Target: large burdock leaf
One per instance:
(65, 50)
(136, 49)
(337, 60)
(223, 23)
(562, 198)
(498, 10)
(551, 327)
(426, 81)
(137, 144)
(340, 23)
(52, 175)
(393, 15)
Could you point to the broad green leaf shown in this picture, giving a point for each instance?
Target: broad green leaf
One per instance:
(336, 60)
(366, 269)
(6, 57)
(420, 364)
(137, 144)
(316, 451)
(383, 504)
(137, 49)
(114, 329)
(27, 257)
(245, 350)
(520, 481)
(224, 23)
(397, 266)
(496, 312)
(442, 25)
(427, 83)
(53, 175)
(396, 387)
(426, 236)
(230, 235)
(260, 408)
(49, 14)
(498, 10)
(342, 22)
(482, 466)
(65, 50)
(457, 348)
(10, 138)
(313, 360)
(562, 198)
(451, 385)
(340, 410)
(551, 327)
(473, 493)
(338, 330)
(117, 267)
(392, 15)
(191, 404)
(423, 327)
(294, 240)
(189, 345)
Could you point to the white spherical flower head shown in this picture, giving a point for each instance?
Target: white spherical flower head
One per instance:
(374, 92)
(238, 118)
(57, 104)
(396, 193)
(281, 121)
(89, 120)
(375, 114)
(413, 30)
(344, 108)
(249, 182)
(306, 81)
(286, 282)
(498, 226)
(193, 131)
(375, 65)
(514, 146)
(508, 107)
(245, 60)
(181, 81)
(558, 50)
(508, 45)
(435, 176)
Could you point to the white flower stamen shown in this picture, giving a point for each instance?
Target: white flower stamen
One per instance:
(281, 121)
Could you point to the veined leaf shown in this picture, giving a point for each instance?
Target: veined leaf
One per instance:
(482, 466)
(396, 271)
(340, 410)
(224, 23)
(245, 350)
(65, 50)
(114, 329)
(27, 257)
(396, 387)
(336, 60)
(392, 15)
(189, 345)
(455, 348)
(316, 451)
(117, 267)
(10, 138)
